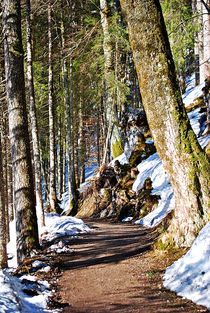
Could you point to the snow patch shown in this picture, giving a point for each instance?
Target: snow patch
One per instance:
(59, 226)
(191, 94)
(189, 277)
(152, 167)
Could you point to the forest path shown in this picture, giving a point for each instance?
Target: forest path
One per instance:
(113, 269)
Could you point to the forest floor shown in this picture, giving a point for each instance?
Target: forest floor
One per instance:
(115, 269)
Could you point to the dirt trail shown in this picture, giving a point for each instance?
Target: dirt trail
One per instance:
(113, 269)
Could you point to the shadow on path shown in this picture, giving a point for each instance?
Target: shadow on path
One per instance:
(107, 243)
(108, 271)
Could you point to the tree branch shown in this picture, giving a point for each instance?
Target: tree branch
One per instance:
(206, 6)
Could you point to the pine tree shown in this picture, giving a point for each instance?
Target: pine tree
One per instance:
(24, 198)
(33, 119)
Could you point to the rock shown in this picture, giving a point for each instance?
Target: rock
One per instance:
(104, 213)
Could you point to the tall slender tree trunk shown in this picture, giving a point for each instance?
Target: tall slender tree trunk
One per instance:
(68, 102)
(113, 133)
(98, 134)
(206, 39)
(196, 46)
(200, 42)
(3, 230)
(70, 149)
(4, 158)
(33, 119)
(60, 159)
(10, 185)
(183, 159)
(81, 145)
(52, 191)
(24, 198)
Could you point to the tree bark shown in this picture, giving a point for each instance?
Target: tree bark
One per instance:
(183, 159)
(52, 179)
(70, 149)
(60, 157)
(113, 133)
(68, 102)
(24, 198)
(206, 39)
(81, 144)
(3, 230)
(33, 120)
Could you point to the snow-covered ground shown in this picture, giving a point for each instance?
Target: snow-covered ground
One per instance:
(59, 226)
(152, 167)
(14, 292)
(192, 92)
(89, 173)
(189, 277)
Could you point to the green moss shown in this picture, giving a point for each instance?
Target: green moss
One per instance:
(165, 245)
(116, 148)
(16, 49)
(198, 102)
(150, 274)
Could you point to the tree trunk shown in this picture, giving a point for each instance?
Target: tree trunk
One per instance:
(60, 159)
(33, 119)
(24, 198)
(98, 133)
(3, 230)
(206, 40)
(196, 47)
(70, 149)
(4, 151)
(183, 159)
(115, 140)
(52, 191)
(81, 145)
(68, 102)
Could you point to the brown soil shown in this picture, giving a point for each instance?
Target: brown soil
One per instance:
(114, 269)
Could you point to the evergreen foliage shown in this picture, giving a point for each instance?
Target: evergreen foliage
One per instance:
(182, 27)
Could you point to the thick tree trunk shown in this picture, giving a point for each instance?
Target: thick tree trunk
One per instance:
(52, 180)
(183, 159)
(33, 120)
(113, 133)
(24, 198)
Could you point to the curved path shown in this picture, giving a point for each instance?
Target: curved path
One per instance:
(113, 270)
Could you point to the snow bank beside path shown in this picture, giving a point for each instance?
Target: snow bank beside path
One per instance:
(59, 226)
(152, 167)
(13, 290)
(8, 299)
(189, 277)
(14, 298)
